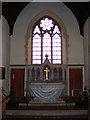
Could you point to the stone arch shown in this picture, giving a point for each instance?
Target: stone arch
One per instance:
(55, 73)
(38, 74)
(60, 73)
(28, 37)
(33, 74)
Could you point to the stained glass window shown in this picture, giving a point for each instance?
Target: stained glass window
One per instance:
(46, 39)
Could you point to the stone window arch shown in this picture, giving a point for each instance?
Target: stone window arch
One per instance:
(29, 34)
(46, 40)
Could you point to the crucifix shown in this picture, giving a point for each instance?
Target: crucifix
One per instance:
(46, 70)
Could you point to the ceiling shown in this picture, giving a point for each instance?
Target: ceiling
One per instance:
(11, 10)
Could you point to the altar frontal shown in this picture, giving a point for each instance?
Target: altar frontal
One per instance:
(46, 91)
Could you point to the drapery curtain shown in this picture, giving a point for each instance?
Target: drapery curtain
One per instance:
(46, 92)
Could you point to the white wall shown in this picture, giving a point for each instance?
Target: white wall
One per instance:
(75, 43)
(0, 66)
(5, 53)
(87, 51)
(4, 57)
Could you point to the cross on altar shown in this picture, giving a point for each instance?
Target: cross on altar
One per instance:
(46, 70)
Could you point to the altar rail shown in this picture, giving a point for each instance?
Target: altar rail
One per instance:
(76, 102)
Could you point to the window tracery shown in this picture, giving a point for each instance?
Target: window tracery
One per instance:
(46, 39)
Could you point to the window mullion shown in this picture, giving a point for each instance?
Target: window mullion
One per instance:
(41, 48)
(32, 52)
(51, 50)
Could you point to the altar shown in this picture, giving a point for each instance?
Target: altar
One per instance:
(46, 81)
(46, 91)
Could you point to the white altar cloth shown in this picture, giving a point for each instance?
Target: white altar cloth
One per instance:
(46, 91)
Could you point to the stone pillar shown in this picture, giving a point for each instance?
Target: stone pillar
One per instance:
(89, 107)
(87, 52)
(26, 85)
(30, 74)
